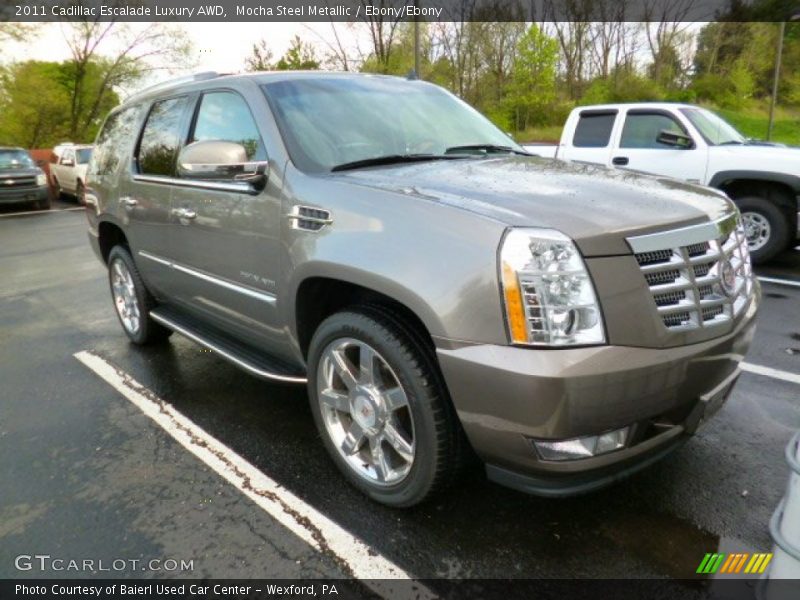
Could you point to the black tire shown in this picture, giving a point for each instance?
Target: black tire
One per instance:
(148, 331)
(79, 197)
(58, 191)
(43, 204)
(777, 238)
(439, 445)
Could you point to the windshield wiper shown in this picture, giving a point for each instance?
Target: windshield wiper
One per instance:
(487, 148)
(731, 143)
(391, 159)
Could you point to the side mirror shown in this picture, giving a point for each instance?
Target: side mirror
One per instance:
(68, 162)
(216, 160)
(680, 141)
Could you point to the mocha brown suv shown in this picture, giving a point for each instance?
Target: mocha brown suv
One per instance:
(438, 290)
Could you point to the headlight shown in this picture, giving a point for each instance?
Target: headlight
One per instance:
(41, 179)
(549, 297)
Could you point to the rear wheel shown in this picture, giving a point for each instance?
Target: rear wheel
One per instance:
(765, 226)
(79, 194)
(132, 300)
(44, 203)
(381, 408)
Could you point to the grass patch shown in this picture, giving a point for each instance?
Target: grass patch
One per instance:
(786, 128)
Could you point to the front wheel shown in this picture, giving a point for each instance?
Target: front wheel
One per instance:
(132, 300)
(381, 408)
(765, 227)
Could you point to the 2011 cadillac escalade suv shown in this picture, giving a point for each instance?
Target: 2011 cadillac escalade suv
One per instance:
(439, 290)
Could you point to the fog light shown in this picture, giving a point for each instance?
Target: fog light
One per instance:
(582, 447)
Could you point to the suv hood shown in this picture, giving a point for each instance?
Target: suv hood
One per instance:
(595, 206)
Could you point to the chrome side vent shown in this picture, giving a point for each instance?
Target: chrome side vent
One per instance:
(697, 283)
(309, 218)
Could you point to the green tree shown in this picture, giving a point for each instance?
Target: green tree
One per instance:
(533, 81)
(97, 71)
(260, 58)
(35, 103)
(300, 56)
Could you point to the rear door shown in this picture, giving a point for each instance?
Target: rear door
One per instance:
(591, 138)
(146, 196)
(225, 234)
(65, 170)
(638, 147)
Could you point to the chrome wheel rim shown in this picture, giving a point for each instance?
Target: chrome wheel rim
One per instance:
(125, 299)
(366, 411)
(756, 229)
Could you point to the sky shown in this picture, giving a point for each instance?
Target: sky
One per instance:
(218, 47)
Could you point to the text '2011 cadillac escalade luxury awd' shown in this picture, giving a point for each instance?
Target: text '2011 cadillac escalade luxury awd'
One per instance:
(439, 290)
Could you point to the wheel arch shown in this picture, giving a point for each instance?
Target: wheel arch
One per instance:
(110, 234)
(781, 189)
(317, 296)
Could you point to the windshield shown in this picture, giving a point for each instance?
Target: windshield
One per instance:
(715, 130)
(83, 155)
(330, 121)
(12, 159)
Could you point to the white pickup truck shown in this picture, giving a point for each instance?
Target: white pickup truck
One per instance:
(694, 144)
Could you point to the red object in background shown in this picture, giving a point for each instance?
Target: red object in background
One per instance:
(42, 157)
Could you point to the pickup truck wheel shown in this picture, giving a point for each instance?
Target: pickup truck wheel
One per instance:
(132, 300)
(380, 409)
(79, 195)
(765, 227)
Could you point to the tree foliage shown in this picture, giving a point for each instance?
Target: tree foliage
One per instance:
(36, 102)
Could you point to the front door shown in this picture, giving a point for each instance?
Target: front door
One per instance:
(639, 149)
(225, 234)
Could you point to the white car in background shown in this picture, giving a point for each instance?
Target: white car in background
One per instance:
(68, 165)
(694, 144)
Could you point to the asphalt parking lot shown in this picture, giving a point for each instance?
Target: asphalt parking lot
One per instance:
(84, 473)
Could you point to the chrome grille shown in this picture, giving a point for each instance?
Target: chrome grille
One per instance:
(16, 182)
(685, 276)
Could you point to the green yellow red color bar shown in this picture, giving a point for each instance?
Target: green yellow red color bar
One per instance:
(737, 562)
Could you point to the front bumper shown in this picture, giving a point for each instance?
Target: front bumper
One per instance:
(19, 196)
(507, 396)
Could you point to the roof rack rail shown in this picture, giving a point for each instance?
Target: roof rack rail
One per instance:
(175, 81)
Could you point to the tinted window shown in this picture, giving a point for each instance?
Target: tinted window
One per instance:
(84, 154)
(114, 143)
(641, 130)
(161, 137)
(594, 130)
(226, 116)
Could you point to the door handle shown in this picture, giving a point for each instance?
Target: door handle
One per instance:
(184, 214)
(129, 202)
(620, 160)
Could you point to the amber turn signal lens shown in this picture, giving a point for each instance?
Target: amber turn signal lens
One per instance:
(514, 307)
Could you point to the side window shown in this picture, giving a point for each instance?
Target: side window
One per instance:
(161, 137)
(68, 155)
(225, 116)
(642, 129)
(594, 130)
(114, 141)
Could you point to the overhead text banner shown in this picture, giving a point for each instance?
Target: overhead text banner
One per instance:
(388, 11)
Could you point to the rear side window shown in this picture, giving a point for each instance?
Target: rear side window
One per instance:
(594, 130)
(161, 137)
(225, 116)
(114, 143)
(642, 129)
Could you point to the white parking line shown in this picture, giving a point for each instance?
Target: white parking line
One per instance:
(41, 212)
(355, 557)
(770, 372)
(788, 282)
